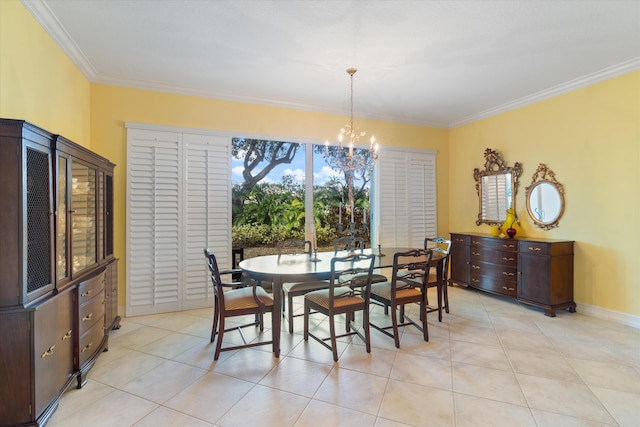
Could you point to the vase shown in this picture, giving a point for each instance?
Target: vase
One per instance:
(511, 232)
(510, 222)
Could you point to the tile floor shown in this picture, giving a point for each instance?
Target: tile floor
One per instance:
(491, 362)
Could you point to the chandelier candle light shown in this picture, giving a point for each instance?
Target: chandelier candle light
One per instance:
(347, 160)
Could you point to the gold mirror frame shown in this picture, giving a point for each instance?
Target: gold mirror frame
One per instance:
(495, 168)
(545, 198)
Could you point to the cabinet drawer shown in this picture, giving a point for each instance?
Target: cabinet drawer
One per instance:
(536, 248)
(494, 285)
(92, 312)
(460, 239)
(90, 341)
(90, 288)
(494, 257)
(494, 244)
(500, 272)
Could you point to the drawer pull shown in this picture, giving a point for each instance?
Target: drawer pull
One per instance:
(475, 253)
(87, 347)
(475, 280)
(460, 240)
(476, 267)
(508, 274)
(48, 352)
(509, 246)
(87, 317)
(67, 335)
(475, 242)
(534, 249)
(508, 289)
(85, 294)
(507, 259)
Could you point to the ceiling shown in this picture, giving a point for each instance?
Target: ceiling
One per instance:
(434, 63)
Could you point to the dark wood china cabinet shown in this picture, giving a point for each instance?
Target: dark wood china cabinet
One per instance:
(58, 274)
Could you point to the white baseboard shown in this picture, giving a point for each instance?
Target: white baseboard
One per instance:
(604, 313)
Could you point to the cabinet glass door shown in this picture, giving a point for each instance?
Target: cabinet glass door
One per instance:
(83, 216)
(62, 209)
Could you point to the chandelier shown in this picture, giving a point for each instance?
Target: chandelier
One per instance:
(345, 158)
(348, 160)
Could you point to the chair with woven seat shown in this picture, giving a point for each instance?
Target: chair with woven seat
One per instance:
(294, 289)
(441, 245)
(233, 299)
(338, 299)
(408, 285)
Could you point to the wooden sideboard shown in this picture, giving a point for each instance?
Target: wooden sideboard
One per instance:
(538, 272)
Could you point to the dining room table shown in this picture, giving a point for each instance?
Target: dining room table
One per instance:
(305, 267)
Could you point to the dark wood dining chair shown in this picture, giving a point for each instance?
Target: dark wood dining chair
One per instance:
(294, 289)
(233, 299)
(356, 281)
(443, 246)
(338, 299)
(408, 285)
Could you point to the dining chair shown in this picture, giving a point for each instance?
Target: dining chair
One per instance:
(291, 290)
(338, 299)
(356, 243)
(233, 299)
(441, 245)
(408, 285)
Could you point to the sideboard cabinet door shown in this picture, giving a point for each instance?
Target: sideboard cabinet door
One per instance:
(459, 258)
(545, 275)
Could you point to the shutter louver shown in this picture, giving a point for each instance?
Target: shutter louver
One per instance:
(407, 197)
(178, 203)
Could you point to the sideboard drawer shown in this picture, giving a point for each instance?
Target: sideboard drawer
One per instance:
(495, 244)
(90, 288)
(91, 312)
(535, 248)
(495, 257)
(90, 341)
(501, 272)
(494, 285)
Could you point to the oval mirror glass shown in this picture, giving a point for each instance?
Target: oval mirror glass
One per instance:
(545, 199)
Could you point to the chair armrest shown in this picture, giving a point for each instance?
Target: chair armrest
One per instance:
(234, 271)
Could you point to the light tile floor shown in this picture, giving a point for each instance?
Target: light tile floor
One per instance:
(491, 362)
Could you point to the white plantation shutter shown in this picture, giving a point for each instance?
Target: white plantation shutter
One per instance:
(178, 203)
(407, 194)
(207, 213)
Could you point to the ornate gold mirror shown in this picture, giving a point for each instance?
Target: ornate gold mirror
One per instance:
(497, 186)
(545, 198)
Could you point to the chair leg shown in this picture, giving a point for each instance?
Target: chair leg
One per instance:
(445, 294)
(306, 321)
(334, 344)
(367, 328)
(290, 312)
(219, 342)
(216, 314)
(394, 321)
(261, 321)
(423, 313)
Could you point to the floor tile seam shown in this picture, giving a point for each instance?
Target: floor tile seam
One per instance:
(113, 389)
(594, 395)
(216, 422)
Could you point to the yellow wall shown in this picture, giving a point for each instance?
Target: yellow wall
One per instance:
(112, 106)
(38, 82)
(590, 138)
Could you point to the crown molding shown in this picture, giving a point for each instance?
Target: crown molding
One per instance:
(52, 26)
(605, 74)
